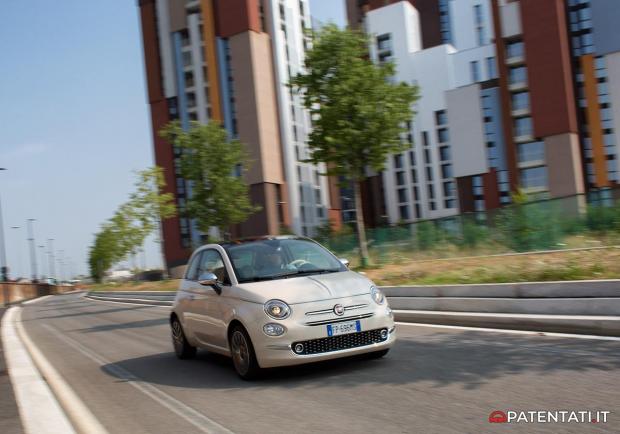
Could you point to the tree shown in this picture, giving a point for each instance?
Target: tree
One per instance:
(213, 164)
(358, 111)
(132, 222)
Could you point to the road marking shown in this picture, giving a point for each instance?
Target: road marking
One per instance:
(194, 417)
(39, 411)
(516, 332)
(127, 304)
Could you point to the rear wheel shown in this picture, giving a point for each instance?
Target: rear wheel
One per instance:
(243, 355)
(182, 348)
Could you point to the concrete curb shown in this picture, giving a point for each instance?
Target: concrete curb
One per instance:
(578, 324)
(131, 300)
(39, 410)
(81, 417)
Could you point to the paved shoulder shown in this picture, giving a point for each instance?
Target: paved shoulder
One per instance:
(9, 413)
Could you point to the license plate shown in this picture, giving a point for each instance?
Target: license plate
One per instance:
(342, 328)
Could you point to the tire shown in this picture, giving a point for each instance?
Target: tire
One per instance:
(182, 348)
(378, 354)
(243, 355)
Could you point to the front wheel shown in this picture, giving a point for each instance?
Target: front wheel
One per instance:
(182, 348)
(243, 355)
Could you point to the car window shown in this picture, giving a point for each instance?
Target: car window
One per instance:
(192, 269)
(211, 262)
(310, 253)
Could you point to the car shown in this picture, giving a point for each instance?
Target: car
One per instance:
(277, 301)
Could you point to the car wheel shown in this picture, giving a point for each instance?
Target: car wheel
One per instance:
(378, 354)
(182, 348)
(243, 355)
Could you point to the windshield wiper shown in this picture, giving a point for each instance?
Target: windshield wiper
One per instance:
(291, 274)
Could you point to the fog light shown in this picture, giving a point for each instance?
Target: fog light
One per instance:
(273, 329)
(299, 348)
(384, 334)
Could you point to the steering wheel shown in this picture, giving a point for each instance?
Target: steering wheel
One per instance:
(298, 263)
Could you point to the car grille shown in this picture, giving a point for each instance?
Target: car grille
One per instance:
(341, 342)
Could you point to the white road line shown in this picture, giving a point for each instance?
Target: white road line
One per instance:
(516, 332)
(127, 304)
(39, 411)
(199, 420)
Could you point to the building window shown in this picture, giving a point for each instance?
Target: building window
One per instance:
(450, 203)
(521, 101)
(491, 68)
(523, 126)
(400, 178)
(441, 118)
(404, 212)
(517, 75)
(448, 188)
(532, 151)
(514, 49)
(431, 191)
(429, 173)
(474, 67)
(444, 153)
(442, 135)
(534, 177)
(479, 24)
(398, 161)
(444, 23)
(425, 138)
(384, 42)
(414, 176)
(427, 156)
(402, 195)
(446, 171)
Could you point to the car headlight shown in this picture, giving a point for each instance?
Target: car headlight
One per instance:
(377, 295)
(277, 309)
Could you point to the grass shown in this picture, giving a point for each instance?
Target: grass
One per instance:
(557, 266)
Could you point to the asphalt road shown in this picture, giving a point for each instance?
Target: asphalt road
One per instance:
(118, 359)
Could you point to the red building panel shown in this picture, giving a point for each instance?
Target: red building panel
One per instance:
(548, 59)
(236, 16)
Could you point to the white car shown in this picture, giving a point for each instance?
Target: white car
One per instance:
(276, 301)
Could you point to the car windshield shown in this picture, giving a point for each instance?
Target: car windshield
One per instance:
(272, 259)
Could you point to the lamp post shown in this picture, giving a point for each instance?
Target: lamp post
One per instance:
(50, 248)
(4, 270)
(18, 251)
(33, 255)
(42, 250)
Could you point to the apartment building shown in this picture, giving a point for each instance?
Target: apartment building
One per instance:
(515, 94)
(229, 61)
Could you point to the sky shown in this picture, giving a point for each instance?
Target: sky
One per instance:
(74, 123)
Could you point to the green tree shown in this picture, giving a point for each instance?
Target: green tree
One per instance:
(132, 222)
(358, 110)
(213, 164)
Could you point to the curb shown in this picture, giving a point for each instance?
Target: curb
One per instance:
(39, 410)
(130, 300)
(80, 416)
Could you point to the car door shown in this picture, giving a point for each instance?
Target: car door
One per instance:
(206, 314)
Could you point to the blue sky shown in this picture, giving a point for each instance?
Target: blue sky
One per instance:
(74, 123)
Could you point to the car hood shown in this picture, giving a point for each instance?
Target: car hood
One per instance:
(304, 289)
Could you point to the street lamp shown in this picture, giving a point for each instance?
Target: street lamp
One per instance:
(18, 251)
(4, 270)
(33, 255)
(42, 250)
(50, 245)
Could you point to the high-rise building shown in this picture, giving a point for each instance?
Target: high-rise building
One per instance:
(229, 61)
(515, 94)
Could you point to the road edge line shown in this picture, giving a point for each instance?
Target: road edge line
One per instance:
(77, 412)
(39, 410)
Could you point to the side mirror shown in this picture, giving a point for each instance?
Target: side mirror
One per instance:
(210, 279)
(345, 262)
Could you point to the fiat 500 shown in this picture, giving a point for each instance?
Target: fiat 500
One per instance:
(277, 301)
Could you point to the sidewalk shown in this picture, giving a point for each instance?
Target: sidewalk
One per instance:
(9, 415)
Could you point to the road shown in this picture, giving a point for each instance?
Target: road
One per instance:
(119, 361)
